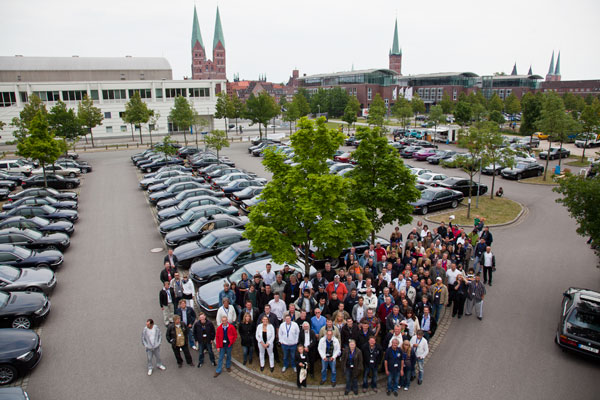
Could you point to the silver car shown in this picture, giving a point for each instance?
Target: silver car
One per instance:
(27, 279)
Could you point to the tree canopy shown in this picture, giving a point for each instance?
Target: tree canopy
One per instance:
(182, 115)
(217, 139)
(261, 109)
(89, 115)
(351, 112)
(63, 122)
(136, 113)
(377, 111)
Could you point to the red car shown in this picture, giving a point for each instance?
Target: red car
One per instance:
(422, 154)
(345, 158)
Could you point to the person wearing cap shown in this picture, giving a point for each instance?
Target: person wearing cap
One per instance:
(370, 300)
(337, 287)
(226, 292)
(439, 296)
(227, 310)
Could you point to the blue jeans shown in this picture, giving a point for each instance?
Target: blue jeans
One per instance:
(437, 311)
(392, 380)
(248, 351)
(420, 368)
(222, 352)
(405, 379)
(289, 355)
(351, 383)
(373, 371)
(208, 347)
(324, 366)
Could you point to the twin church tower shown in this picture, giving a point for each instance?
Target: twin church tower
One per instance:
(202, 68)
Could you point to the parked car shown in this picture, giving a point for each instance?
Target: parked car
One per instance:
(54, 182)
(440, 155)
(222, 172)
(15, 166)
(160, 178)
(83, 168)
(225, 263)
(27, 280)
(159, 187)
(587, 140)
(246, 205)
(20, 352)
(420, 171)
(25, 258)
(437, 198)
(203, 162)
(240, 184)
(579, 323)
(343, 158)
(245, 194)
(181, 168)
(408, 152)
(192, 202)
(35, 240)
(40, 201)
(57, 170)
(17, 178)
(210, 245)
(225, 180)
(42, 192)
(161, 162)
(203, 226)
(190, 216)
(523, 170)
(431, 178)
(360, 247)
(424, 154)
(48, 212)
(186, 194)
(464, 186)
(10, 185)
(23, 309)
(174, 190)
(555, 152)
(13, 393)
(38, 224)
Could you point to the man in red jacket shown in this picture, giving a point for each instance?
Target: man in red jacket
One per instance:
(225, 338)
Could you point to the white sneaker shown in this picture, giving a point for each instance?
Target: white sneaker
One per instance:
(194, 348)
(405, 389)
(283, 369)
(150, 372)
(161, 367)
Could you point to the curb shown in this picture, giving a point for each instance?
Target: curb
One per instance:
(289, 389)
(537, 184)
(524, 211)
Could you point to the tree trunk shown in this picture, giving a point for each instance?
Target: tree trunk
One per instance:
(150, 134)
(185, 137)
(547, 158)
(141, 140)
(470, 195)
(560, 154)
(92, 137)
(260, 131)
(237, 131)
(132, 133)
(306, 247)
(44, 171)
(493, 182)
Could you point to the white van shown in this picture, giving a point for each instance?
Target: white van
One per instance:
(15, 166)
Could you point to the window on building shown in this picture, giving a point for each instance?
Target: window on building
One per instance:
(48, 96)
(159, 93)
(144, 93)
(454, 95)
(121, 114)
(199, 92)
(109, 129)
(141, 76)
(123, 128)
(387, 103)
(114, 94)
(369, 94)
(107, 115)
(7, 99)
(122, 76)
(94, 95)
(24, 97)
(174, 92)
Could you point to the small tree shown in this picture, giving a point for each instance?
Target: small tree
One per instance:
(30, 110)
(136, 114)
(291, 114)
(200, 122)
(301, 101)
(2, 125)
(495, 104)
(89, 115)
(351, 112)
(377, 112)
(497, 117)
(182, 115)
(403, 111)
(222, 108)
(236, 109)
(152, 121)
(462, 113)
(590, 118)
(531, 105)
(167, 146)
(40, 144)
(217, 139)
(63, 123)
(319, 102)
(475, 140)
(447, 104)
(436, 116)
(512, 105)
(418, 106)
(261, 109)
(496, 153)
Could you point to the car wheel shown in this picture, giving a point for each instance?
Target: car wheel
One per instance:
(454, 203)
(519, 176)
(334, 263)
(51, 248)
(21, 322)
(8, 373)
(42, 266)
(539, 173)
(72, 175)
(84, 171)
(69, 185)
(424, 210)
(34, 289)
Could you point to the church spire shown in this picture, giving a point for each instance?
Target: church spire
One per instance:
(218, 37)
(557, 69)
(395, 45)
(551, 69)
(196, 35)
(530, 72)
(514, 71)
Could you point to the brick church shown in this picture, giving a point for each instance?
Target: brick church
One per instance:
(203, 68)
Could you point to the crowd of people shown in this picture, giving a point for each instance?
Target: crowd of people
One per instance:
(374, 314)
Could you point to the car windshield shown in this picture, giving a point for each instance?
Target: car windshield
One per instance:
(187, 215)
(33, 234)
(426, 176)
(584, 323)
(237, 275)
(9, 273)
(4, 297)
(208, 240)
(50, 200)
(183, 205)
(450, 181)
(198, 224)
(228, 255)
(48, 209)
(40, 221)
(427, 195)
(22, 252)
(521, 166)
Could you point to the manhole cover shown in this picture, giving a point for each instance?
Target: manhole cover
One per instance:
(156, 250)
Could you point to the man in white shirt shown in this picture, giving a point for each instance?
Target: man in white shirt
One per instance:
(277, 306)
(419, 343)
(288, 337)
(451, 276)
(400, 282)
(370, 300)
(329, 351)
(268, 276)
(227, 311)
(488, 262)
(151, 340)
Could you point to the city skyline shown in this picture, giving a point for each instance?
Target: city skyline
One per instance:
(317, 37)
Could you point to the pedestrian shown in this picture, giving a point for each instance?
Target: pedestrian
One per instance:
(177, 335)
(421, 347)
(439, 294)
(204, 333)
(428, 323)
(165, 299)
(477, 294)
(168, 273)
(225, 337)
(352, 364)
(308, 339)
(372, 355)
(188, 291)
(479, 250)
(171, 258)
(460, 295)
(265, 336)
(302, 363)
(488, 262)
(329, 350)
(227, 310)
(247, 332)
(393, 367)
(151, 339)
(409, 359)
(288, 337)
(177, 285)
(267, 275)
(188, 317)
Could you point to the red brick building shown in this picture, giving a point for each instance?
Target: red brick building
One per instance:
(203, 68)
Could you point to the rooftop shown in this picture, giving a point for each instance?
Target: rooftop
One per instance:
(442, 75)
(75, 63)
(348, 73)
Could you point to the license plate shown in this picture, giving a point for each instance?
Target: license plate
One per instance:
(588, 348)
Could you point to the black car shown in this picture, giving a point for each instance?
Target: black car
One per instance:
(42, 192)
(161, 162)
(188, 217)
(202, 227)
(222, 172)
(185, 151)
(54, 182)
(17, 178)
(523, 170)
(4, 193)
(555, 153)
(191, 202)
(148, 159)
(8, 184)
(225, 263)
(425, 144)
(84, 168)
(38, 224)
(464, 186)
(24, 258)
(579, 324)
(209, 245)
(245, 194)
(408, 152)
(239, 184)
(40, 201)
(440, 155)
(186, 194)
(175, 189)
(48, 212)
(20, 352)
(180, 168)
(246, 205)
(160, 178)
(159, 187)
(23, 309)
(203, 162)
(437, 198)
(35, 240)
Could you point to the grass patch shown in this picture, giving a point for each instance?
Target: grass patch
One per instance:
(539, 180)
(496, 211)
(335, 125)
(578, 163)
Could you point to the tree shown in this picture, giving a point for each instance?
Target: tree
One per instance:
(136, 113)
(40, 144)
(291, 113)
(495, 104)
(338, 99)
(351, 112)
(462, 113)
(590, 118)
(381, 183)
(377, 111)
(182, 115)
(89, 115)
(478, 111)
(495, 150)
(497, 117)
(199, 123)
(222, 107)
(301, 102)
(217, 139)
(418, 106)
(436, 116)
(63, 123)
(303, 204)
(475, 141)
(236, 109)
(531, 105)
(447, 104)
(261, 109)
(319, 102)
(512, 105)
(167, 146)
(152, 121)
(29, 111)
(403, 111)
(2, 125)
(581, 197)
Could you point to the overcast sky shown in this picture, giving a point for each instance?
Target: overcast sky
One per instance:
(317, 36)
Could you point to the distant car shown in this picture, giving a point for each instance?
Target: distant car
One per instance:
(27, 280)
(409, 151)
(156, 164)
(57, 170)
(23, 309)
(424, 154)
(555, 152)
(464, 186)
(160, 177)
(192, 202)
(431, 178)
(587, 140)
(83, 168)
(9, 184)
(239, 184)
(523, 170)
(45, 211)
(420, 171)
(437, 198)
(203, 162)
(247, 205)
(40, 201)
(20, 352)
(186, 194)
(159, 187)
(245, 194)
(202, 227)
(17, 178)
(216, 174)
(208, 246)
(579, 324)
(181, 168)
(21, 257)
(38, 224)
(225, 180)
(343, 158)
(190, 216)
(173, 190)
(42, 192)
(35, 240)
(54, 182)
(440, 155)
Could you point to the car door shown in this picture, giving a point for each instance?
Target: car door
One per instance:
(442, 199)
(19, 240)
(7, 258)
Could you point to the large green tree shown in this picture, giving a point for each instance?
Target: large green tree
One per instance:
(338, 99)
(236, 109)
(136, 114)
(512, 105)
(590, 119)
(377, 111)
(301, 102)
(402, 110)
(418, 106)
(319, 102)
(447, 103)
(495, 104)
(63, 123)
(30, 110)
(495, 150)
(223, 108)
(351, 112)
(217, 139)
(474, 140)
(261, 109)
(381, 183)
(291, 113)
(304, 204)
(89, 115)
(463, 112)
(182, 115)
(531, 106)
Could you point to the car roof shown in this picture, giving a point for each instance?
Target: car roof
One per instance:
(225, 232)
(7, 247)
